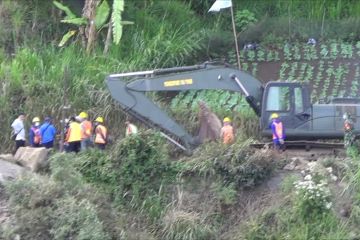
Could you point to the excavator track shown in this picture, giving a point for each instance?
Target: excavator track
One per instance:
(310, 149)
(307, 145)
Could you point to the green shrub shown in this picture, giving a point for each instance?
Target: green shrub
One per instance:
(312, 198)
(76, 220)
(134, 171)
(43, 209)
(237, 164)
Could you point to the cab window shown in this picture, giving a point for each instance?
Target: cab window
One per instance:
(278, 99)
(299, 105)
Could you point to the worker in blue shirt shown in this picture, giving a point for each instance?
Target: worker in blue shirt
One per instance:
(278, 132)
(48, 133)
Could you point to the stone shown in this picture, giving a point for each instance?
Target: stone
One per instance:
(291, 166)
(8, 157)
(9, 171)
(210, 124)
(32, 158)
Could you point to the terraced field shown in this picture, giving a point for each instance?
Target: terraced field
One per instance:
(331, 69)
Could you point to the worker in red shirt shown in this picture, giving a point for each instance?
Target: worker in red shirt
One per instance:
(227, 132)
(278, 132)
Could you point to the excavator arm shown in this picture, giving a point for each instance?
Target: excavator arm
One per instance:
(130, 93)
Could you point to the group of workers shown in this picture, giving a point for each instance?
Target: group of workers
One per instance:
(80, 133)
(276, 126)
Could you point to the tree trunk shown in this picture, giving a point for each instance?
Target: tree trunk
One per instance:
(89, 12)
(108, 38)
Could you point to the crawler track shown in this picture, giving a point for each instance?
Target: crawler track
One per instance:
(311, 149)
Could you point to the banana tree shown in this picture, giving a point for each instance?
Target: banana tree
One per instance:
(95, 18)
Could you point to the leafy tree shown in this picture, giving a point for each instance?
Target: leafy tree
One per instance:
(95, 17)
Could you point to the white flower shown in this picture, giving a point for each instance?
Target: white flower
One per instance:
(328, 205)
(333, 177)
(308, 177)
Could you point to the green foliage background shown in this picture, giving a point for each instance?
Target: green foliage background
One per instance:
(135, 190)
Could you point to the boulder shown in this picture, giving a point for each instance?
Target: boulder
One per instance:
(210, 124)
(9, 170)
(32, 158)
(8, 157)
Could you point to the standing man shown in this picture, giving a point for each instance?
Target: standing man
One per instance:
(73, 136)
(48, 133)
(278, 132)
(100, 133)
(227, 132)
(130, 128)
(34, 133)
(86, 130)
(19, 131)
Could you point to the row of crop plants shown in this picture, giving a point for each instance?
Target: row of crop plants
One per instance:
(297, 52)
(325, 80)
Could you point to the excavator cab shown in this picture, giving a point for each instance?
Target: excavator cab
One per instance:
(291, 101)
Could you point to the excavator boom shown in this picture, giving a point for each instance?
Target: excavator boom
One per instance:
(130, 93)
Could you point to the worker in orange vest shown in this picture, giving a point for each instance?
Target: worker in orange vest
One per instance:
(35, 133)
(100, 133)
(86, 130)
(73, 136)
(278, 132)
(227, 132)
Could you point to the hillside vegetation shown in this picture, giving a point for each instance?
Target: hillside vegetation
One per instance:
(139, 188)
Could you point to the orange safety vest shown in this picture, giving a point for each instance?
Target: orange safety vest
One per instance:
(74, 132)
(86, 128)
(227, 133)
(37, 135)
(278, 130)
(100, 134)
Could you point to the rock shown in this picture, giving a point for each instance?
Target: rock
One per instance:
(9, 170)
(302, 164)
(8, 157)
(291, 166)
(210, 124)
(32, 158)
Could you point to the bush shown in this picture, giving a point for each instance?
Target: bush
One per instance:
(312, 198)
(76, 220)
(238, 164)
(43, 209)
(134, 172)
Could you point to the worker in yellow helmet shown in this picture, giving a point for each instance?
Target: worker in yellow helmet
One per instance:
(35, 133)
(100, 133)
(278, 132)
(86, 130)
(227, 131)
(73, 136)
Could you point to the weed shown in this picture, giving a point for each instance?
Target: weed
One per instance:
(180, 225)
